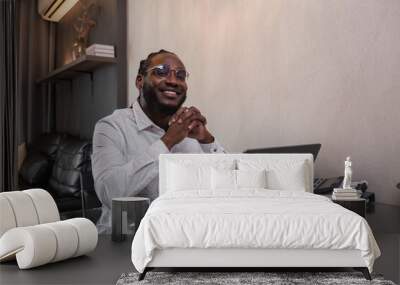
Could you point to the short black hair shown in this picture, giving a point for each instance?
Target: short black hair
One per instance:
(144, 63)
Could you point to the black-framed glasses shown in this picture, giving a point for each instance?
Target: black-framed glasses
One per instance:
(164, 70)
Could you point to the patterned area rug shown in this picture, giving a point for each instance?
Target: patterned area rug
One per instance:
(229, 278)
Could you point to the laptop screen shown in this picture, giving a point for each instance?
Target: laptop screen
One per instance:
(305, 148)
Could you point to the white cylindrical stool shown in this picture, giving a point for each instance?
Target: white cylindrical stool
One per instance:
(127, 212)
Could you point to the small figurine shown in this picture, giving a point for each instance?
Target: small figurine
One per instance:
(347, 174)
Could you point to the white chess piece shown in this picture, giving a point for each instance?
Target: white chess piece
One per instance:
(347, 173)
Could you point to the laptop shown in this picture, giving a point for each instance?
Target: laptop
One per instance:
(304, 148)
(321, 185)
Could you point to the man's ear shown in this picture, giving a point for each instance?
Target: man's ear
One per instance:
(139, 81)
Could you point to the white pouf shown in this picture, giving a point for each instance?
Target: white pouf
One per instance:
(32, 233)
(7, 218)
(23, 208)
(26, 208)
(37, 245)
(45, 205)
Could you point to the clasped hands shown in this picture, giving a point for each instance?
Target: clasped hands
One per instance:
(187, 122)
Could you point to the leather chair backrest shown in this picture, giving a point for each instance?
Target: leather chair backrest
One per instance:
(47, 144)
(36, 168)
(71, 156)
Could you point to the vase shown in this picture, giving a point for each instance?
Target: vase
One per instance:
(78, 49)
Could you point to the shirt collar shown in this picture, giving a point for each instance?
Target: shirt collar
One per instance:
(141, 118)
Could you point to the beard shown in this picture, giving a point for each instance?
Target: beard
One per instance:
(150, 96)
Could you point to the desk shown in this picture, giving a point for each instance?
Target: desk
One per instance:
(111, 259)
(358, 206)
(102, 266)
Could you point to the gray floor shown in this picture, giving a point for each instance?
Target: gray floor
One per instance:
(385, 223)
(110, 260)
(103, 266)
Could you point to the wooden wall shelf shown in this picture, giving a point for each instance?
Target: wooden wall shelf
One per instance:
(84, 64)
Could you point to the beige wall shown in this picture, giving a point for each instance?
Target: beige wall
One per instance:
(270, 73)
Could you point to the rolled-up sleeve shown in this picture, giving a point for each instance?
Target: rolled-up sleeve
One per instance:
(114, 176)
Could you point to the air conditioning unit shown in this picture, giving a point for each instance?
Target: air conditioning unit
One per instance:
(54, 10)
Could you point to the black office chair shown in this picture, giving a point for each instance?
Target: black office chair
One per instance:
(61, 165)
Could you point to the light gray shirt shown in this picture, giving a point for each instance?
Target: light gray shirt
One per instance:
(126, 147)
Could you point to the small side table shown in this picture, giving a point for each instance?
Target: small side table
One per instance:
(358, 206)
(127, 212)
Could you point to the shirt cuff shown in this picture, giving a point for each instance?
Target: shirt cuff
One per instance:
(213, 147)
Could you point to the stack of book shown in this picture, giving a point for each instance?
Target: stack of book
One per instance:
(100, 50)
(345, 194)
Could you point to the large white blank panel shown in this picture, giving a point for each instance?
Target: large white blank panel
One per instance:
(67, 239)
(33, 246)
(87, 234)
(7, 218)
(46, 208)
(24, 210)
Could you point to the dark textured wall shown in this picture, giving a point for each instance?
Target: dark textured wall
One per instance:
(82, 102)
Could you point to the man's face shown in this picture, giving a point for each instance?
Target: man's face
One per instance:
(164, 93)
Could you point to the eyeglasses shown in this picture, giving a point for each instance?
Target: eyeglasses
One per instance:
(164, 70)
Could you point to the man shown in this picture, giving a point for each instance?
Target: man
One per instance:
(127, 144)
